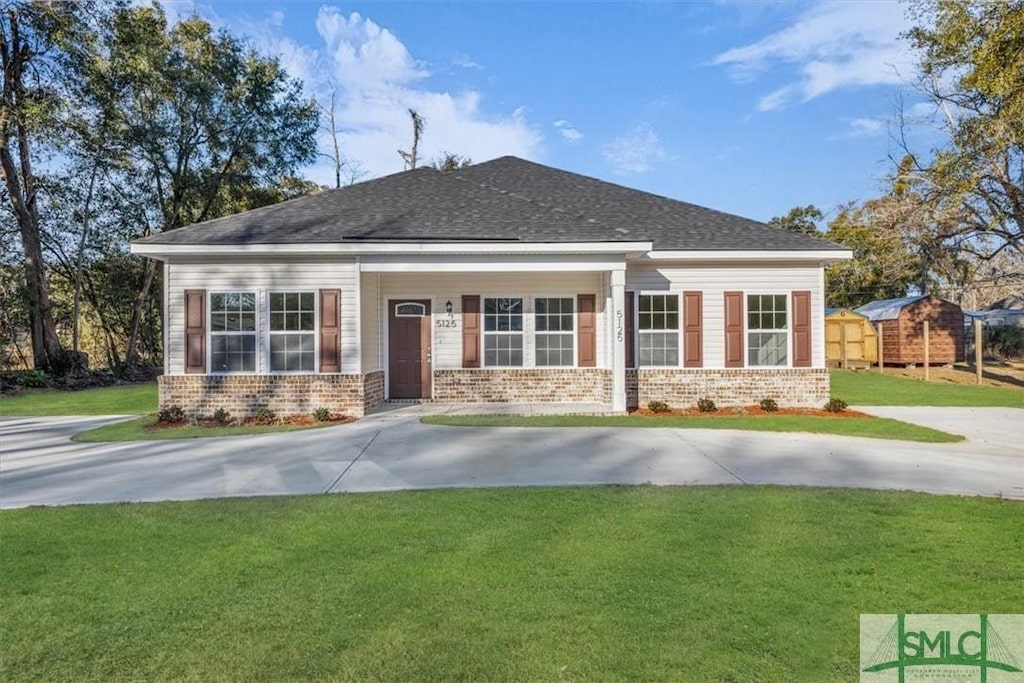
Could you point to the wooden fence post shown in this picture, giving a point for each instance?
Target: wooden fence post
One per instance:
(927, 361)
(978, 350)
(881, 350)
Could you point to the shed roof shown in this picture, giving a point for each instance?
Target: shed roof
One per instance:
(887, 309)
(507, 199)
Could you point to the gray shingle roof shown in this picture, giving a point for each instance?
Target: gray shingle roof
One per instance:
(507, 199)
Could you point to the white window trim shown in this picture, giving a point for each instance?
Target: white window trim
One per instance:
(640, 333)
(527, 362)
(210, 332)
(574, 333)
(747, 331)
(265, 339)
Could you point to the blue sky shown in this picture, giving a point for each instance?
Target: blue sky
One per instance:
(751, 108)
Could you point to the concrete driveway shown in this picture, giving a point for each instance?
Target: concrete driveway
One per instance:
(39, 465)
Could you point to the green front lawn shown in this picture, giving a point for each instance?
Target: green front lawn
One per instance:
(869, 388)
(615, 583)
(140, 429)
(872, 427)
(133, 399)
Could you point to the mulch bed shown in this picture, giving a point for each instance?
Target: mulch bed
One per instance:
(297, 420)
(750, 411)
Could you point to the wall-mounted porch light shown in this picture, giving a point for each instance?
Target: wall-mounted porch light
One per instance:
(448, 308)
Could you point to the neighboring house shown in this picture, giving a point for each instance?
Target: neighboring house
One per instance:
(900, 324)
(503, 281)
(1008, 312)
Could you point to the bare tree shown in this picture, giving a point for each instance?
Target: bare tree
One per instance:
(351, 172)
(418, 123)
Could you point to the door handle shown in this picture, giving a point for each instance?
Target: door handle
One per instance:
(428, 354)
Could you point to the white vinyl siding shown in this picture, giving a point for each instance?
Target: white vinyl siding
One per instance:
(714, 279)
(371, 327)
(445, 287)
(263, 278)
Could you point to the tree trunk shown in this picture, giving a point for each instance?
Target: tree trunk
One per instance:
(138, 310)
(21, 188)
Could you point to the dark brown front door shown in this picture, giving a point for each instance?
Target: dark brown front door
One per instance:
(409, 348)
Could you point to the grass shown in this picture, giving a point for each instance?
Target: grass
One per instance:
(869, 388)
(617, 583)
(124, 400)
(872, 427)
(139, 430)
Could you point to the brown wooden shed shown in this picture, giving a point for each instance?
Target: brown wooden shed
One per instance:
(900, 324)
(850, 339)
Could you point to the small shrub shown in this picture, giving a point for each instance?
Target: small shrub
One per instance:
(706, 405)
(34, 379)
(835, 405)
(769, 405)
(321, 414)
(264, 416)
(658, 407)
(221, 416)
(171, 414)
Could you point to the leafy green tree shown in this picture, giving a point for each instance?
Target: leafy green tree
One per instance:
(972, 66)
(200, 126)
(800, 219)
(36, 40)
(883, 266)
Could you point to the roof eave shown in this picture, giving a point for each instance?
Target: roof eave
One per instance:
(166, 251)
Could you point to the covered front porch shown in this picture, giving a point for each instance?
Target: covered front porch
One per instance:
(509, 331)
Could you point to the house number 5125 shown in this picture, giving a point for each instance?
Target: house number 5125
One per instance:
(446, 323)
(620, 332)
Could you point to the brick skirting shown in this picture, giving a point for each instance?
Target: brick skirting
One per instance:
(535, 385)
(243, 395)
(793, 387)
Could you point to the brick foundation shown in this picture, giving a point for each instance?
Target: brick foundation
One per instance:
(373, 390)
(535, 385)
(243, 395)
(791, 387)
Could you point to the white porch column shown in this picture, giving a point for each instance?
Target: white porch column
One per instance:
(618, 355)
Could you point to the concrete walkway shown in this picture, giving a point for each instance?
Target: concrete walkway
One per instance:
(39, 465)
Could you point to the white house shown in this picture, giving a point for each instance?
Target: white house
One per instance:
(503, 281)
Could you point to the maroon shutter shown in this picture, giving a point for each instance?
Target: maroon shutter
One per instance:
(587, 336)
(801, 329)
(630, 330)
(330, 330)
(195, 331)
(693, 329)
(471, 331)
(734, 329)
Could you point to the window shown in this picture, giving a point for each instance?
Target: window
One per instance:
(410, 310)
(659, 329)
(292, 331)
(503, 332)
(767, 329)
(233, 332)
(554, 336)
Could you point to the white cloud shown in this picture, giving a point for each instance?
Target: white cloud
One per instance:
(865, 128)
(378, 80)
(467, 62)
(637, 151)
(828, 47)
(568, 131)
